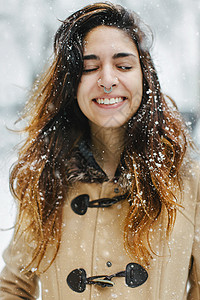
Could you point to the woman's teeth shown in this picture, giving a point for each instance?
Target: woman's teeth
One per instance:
(109, 101)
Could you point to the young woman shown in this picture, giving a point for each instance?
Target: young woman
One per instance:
(108, 196)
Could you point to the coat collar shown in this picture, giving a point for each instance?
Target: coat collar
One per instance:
(83, 167)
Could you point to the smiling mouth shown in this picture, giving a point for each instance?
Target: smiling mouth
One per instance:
(108, 101)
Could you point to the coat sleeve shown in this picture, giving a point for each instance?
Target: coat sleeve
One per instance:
(194, 279)
(15, 284)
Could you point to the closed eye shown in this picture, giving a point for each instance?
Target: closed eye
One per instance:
(90, 70)
(124, 67)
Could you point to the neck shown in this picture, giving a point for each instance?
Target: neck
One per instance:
(107, 147)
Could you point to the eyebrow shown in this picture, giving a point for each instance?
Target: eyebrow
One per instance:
(115, 56)
(123, 54)
(91, 56)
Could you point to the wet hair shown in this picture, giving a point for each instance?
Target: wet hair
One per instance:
(156, 142)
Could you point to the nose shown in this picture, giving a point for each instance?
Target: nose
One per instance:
(108, 80)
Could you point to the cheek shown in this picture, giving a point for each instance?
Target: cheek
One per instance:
(79, 91)
(80, 95)
(83, 89)
(80, 104)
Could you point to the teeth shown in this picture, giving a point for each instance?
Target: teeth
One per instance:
(107, 101)
(112, 100)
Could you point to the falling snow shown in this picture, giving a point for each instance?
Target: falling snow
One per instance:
(26, 46)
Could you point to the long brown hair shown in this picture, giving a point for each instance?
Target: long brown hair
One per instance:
(155, 148)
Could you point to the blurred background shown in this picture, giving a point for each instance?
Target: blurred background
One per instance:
(27, 29)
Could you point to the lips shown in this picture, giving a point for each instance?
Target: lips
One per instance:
(109, 101)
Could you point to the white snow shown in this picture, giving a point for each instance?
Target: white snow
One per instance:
(27, 29)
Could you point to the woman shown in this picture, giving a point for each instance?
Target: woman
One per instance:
(107, 192)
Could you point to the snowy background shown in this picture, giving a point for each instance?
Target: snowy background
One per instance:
(27, 29)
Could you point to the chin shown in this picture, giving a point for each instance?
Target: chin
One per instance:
(113, 125)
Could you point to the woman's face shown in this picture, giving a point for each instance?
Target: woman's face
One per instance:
(111, 86)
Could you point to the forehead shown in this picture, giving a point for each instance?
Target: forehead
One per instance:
(105, 38)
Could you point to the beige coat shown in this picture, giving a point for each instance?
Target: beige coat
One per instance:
(92, 240)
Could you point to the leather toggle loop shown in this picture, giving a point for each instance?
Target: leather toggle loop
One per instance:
(81, 203)
(135, 275)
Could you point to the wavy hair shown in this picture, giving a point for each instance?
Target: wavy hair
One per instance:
(156, 140)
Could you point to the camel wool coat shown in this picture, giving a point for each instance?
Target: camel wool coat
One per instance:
(94, 242)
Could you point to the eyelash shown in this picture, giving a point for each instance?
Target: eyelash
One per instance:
(95, 69)
(124, 67)
(89, 70)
